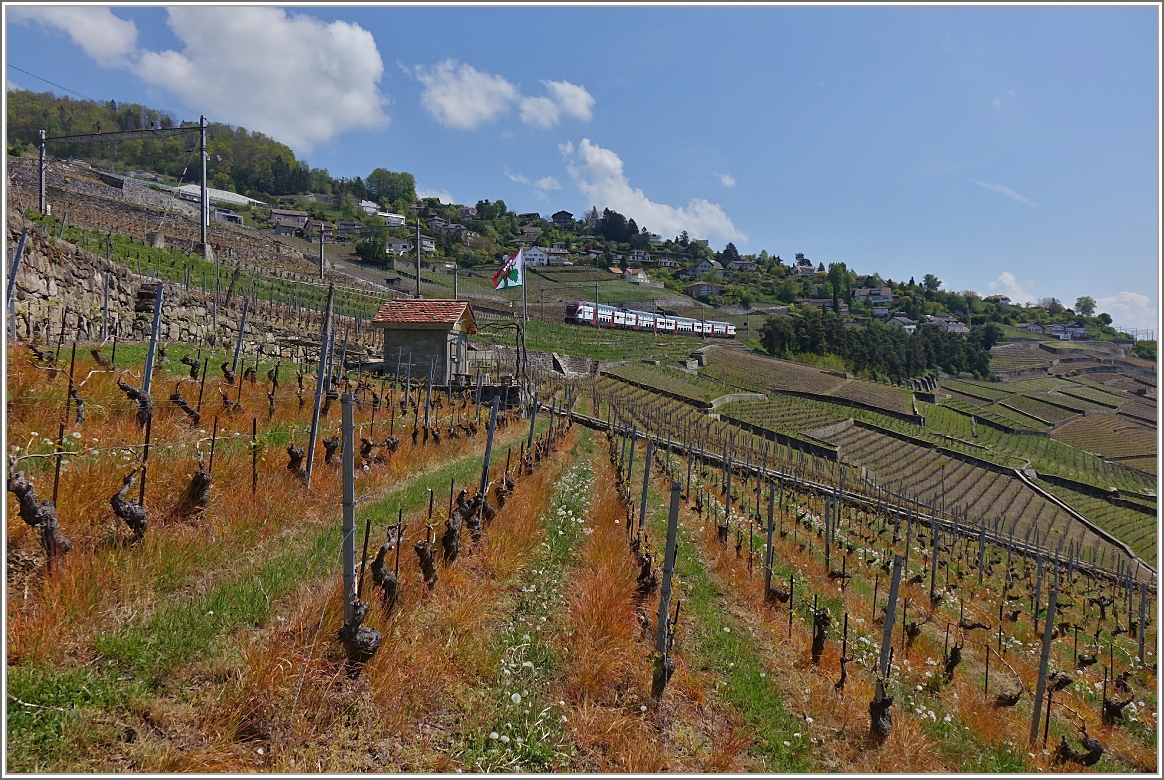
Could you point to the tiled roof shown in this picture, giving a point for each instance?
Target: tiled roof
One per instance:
(424, 312)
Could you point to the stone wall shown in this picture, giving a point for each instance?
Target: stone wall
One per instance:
(58, 279)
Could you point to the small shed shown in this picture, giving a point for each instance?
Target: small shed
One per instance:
(432, 331)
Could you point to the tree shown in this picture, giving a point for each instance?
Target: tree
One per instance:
(1104, 317)
(931, 283)
(1085, 306)
(1052, 305)
(836, 276)
(730, 252)
(684, 240)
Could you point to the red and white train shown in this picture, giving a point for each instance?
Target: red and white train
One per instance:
(583, 313)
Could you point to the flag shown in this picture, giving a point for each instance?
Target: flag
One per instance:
(511, 274)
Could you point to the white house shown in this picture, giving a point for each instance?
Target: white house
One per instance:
(369, 207)
(427, 245)
(743, 265)
(905, 323)
(874, 294)
(535, 255)
(705, 265)
(390, 219)
(397, 248)
(637, 276)
(557, 256)
(803, 267)
(1000, 300)
(638, 256)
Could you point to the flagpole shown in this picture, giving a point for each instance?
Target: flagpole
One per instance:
(524, 319)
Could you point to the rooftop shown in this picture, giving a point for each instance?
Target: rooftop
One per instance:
(426, 312)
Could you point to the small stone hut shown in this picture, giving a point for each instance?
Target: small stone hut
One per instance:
(435, 331)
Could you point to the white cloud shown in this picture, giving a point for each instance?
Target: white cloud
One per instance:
(293, 77)
(460, 96)
(108, 39)
(1006, 284)
(1007, 191)
(12, 86)
(1129, 310)
(726, 179)
(442, 195)
(515, 177)
(573, 99)
(565, 98)
(599, 175)
(540, 112)
(540, 187)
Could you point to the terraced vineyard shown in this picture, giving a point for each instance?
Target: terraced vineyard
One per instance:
(1038, 409)
(1136, 529)
(1017, 357)
(672, 380)
(790, 415)
(757, 373)
(1104, 398)
(1109, 436)
(982, 493)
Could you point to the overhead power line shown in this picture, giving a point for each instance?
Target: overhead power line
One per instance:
(58, 86)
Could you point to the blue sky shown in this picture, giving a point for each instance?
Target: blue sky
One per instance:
(1006, 150)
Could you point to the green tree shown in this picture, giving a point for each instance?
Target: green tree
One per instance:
(930, 282)
(837, 276)
(1085, 306)
(1104, 317)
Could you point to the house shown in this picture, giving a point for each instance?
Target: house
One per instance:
(427, 245)
(825, 304)
(434, 332)
(562, 218)
(614, 269)
(948, 324)
(703, 289)
(315, 227)
(655, 239)
(369, 207)
(880, 311)
(529, 215)
(228, 215)
(803, 267)
(535, 255)
(743, 265)
(391, 219)
(557, 257)
(289, 220)
(594, 254)
(1076, 330)
(874, 294)
(559, 245)
(397, 248)
(530, 231)
(998, 300)
(1030, 327)
(705, 266)
(699, 242)
(905, 323)
(467, 212)
(666, 262)
(436, 223)
(637, 276)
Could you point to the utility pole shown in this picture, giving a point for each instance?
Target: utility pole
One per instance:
(41, 173)
(321, 250)
(417, 255)
(203, 200)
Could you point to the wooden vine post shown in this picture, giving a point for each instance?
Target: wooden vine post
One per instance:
(1044, 658)
(646, 484)
(349, 505)
(880, 717)
(664, 665)
(324, 351)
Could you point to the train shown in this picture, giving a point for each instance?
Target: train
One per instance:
(582, 313)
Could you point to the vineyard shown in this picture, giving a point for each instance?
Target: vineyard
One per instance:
(221, 564)
(671, 380)
(1011, 357)
(1109, 436)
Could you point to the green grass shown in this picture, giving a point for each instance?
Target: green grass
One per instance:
(733, 654)
(699, 388)
(607, 344)
(148, 655)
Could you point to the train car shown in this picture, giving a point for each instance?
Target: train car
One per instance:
(583, 313)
